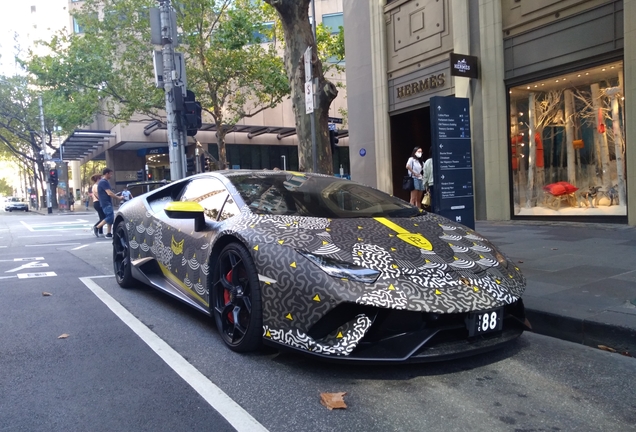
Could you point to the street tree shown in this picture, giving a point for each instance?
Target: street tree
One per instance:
(21, 137)
(108, 69)
(298, 35)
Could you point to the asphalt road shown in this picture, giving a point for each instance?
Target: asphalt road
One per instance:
(104, 376)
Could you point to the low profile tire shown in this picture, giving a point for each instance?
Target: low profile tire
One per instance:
(236, 299)
(121, 257)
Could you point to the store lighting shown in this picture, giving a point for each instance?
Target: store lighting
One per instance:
(587, 73)
(612, 67)
(528, 87)
(578, 75)
(542, 84)
(535, 85)
(603, 70)
(557, 80)
(520, 114)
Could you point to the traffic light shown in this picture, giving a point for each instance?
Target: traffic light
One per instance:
(149, 176)
(53, 175)
(140, 175)
(207, 164)
(190, 165)
(191, 114)
(333, 140)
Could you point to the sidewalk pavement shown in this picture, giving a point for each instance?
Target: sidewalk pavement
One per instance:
(581, 278)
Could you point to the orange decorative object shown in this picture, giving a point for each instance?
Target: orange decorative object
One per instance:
(560, 188)
(578, 144)
(517, 139)
(539, 151)
(601, 121)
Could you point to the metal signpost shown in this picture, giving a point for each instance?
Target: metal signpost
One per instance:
(452, 159)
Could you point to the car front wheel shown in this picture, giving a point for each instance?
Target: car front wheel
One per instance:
(121, 257)
(236, 299)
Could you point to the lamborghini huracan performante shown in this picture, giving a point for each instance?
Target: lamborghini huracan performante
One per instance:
(321, 265)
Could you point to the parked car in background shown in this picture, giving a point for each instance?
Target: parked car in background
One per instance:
(14, 203)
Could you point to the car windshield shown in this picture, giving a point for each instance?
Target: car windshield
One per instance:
(316, 196)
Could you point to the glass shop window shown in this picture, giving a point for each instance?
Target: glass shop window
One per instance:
(567, 144)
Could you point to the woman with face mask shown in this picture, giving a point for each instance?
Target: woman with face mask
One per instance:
(414, 167)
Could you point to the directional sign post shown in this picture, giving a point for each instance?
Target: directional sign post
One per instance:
(452, 159)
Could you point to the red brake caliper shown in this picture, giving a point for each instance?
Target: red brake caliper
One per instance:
(226, 296)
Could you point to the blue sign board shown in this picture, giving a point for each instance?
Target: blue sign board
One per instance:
(152, 151)
(452, 159)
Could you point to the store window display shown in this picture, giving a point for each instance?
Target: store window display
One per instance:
(567, 144)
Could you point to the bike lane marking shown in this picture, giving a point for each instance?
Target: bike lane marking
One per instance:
(238, 417)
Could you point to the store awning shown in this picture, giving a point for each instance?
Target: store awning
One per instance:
(81, 143)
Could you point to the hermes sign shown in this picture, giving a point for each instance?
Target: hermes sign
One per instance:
(432, 82)
(463, 65)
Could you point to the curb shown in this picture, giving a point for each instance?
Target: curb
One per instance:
(582, 331)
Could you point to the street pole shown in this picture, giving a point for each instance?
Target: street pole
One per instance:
(176, 144)
(49, 206)
(314, 150)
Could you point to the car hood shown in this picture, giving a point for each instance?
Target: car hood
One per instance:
(423, 252)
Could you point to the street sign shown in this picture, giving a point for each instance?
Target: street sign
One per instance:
(307, 59)
(309, 98)
(452, 159)
(337, 120)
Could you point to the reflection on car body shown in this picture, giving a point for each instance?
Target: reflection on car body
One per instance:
(321, 265)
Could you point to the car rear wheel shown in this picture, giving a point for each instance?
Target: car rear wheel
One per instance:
(236, 299)
(121, 257)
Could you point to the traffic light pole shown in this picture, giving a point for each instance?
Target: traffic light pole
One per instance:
(176, 142)
(49, 205)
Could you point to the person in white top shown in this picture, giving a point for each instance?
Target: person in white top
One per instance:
(427, 176)
(414, 167)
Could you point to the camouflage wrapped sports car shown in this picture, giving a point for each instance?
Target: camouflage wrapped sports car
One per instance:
(321, 265)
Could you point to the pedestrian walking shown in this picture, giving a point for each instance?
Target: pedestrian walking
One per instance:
(71, 202)
(126, 195)
(98, 208)
(427, 178)
(414, 167)
(105, 195)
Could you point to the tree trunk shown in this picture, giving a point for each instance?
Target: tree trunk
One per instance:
(569, 136)
(294, 16)
(601, 138)
(221, 133)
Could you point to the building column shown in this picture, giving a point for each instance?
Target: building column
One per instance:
(629, 91)
(77, 177)
(494, 112)
(461, 42)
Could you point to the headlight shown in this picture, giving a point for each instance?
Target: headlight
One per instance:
(340, 269)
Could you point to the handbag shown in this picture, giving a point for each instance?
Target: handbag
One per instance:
(426, 200)
(408, 184)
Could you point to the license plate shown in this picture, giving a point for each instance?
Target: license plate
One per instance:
(484, 322)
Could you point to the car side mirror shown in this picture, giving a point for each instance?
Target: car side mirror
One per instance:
(187, 210)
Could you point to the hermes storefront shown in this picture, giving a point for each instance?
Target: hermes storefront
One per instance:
(550, 111)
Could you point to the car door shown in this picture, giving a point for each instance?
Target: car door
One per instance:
(189, 249)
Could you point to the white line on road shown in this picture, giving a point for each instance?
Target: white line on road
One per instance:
(240, 419)
(80, 247)
(26, 225)
(52, 244)
(7, 277)
(43, 235)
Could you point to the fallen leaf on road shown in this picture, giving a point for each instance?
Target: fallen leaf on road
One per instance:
(606, 348)
(333, 400)
(63, 336)
(46, 294)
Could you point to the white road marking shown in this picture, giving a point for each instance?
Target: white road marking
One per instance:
(2, 247)
(23, 259)
(35, 275)
(80, 247)
(32, 264)
(240, 419)
(43, 235)
(52, 244)
(27, 226)
(7, 277)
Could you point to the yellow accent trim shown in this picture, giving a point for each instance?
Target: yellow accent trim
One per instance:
(281, 241)
(360, 239)
(438, 292)
(415, 239)
(293, 264)
(393, 249)
(296, 173)
(475, 289)
(359, 253)
(359, 227)
(256, 247)
(498, 281)
(289, 317)
(324, 242)
(415, 225)
(394, 266)
(268, 334)
(328, 229)
(316, 298)
(167, 273)
(340, 336)
(391, 287)
(184, 206)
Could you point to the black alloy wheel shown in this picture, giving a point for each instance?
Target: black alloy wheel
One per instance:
(121, 257)
(236, 299)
